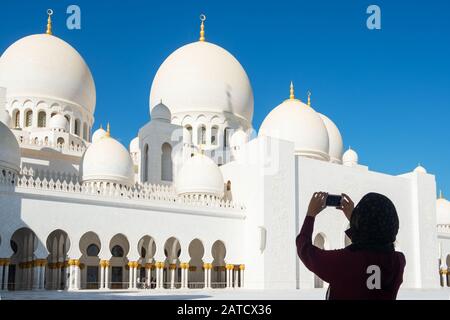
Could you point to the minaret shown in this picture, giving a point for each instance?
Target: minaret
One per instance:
(49, 22)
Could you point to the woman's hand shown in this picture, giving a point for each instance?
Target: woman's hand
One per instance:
(317, 203)
(346, 206)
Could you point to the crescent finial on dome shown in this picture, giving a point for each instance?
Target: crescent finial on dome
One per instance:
(292, 96)
(309, 98)
(49, 22)
(202, 27)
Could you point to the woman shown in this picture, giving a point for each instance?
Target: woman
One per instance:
(369, 268)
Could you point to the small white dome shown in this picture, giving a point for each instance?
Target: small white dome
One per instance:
(161, 113)
(58, 122)
(98, 134)
(335, 140)
(442, 211)
(200, 175)
(5, 118)
(109, 161)
(45, 66)
(420, 169)
(295, 121)
(350, 158)
(134, 145)
(9, 149)
(203, 77)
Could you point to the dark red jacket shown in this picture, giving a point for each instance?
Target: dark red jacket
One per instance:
(346, 270)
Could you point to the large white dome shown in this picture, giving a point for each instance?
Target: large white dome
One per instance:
(335, 140)
(200, 175)
(9, 149)
(107, 160)
(45, 66)
(295, 121)
(442, 210)
(203, 77)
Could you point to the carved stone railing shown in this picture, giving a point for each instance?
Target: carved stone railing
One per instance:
(49, 175)
(443, 228)
(25, 141)
(138, 192)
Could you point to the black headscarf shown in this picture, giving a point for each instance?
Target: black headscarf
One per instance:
(374, 224)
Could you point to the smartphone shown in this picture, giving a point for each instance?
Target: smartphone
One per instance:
(333, 200)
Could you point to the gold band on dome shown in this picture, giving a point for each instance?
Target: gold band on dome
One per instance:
(202, 27)
(49, 22)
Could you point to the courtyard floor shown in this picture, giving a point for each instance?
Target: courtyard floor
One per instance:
(218, 294)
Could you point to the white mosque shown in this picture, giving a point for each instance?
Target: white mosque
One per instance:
(199, 200)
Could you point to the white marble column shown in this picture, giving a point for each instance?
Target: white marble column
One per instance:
(228, 274)
(36, 274)
(70, 286)
(172, 268)
(130, 275)
(58, 275)
(42, 275)
(241, 274)
(102, 275)
(205, 271)
(183, 274)
(186, 278)
(209, 275)
(30, 270)
(1, 274)
(75, 281)
(442, 272)
(66, 275)
(159, 266)
(106, 286)
(6, 275)
(136, 273)
(78, 275)
(148, 274)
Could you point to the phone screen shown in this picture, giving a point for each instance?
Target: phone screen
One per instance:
(333, 200)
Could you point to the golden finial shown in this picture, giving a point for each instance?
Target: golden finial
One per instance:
(309, 98)
(202, 27)
(441, 196)
(101, 126)
(292, 96)
(49, 22)
(108, 130)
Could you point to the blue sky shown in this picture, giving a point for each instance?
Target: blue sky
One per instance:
(387, 90)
